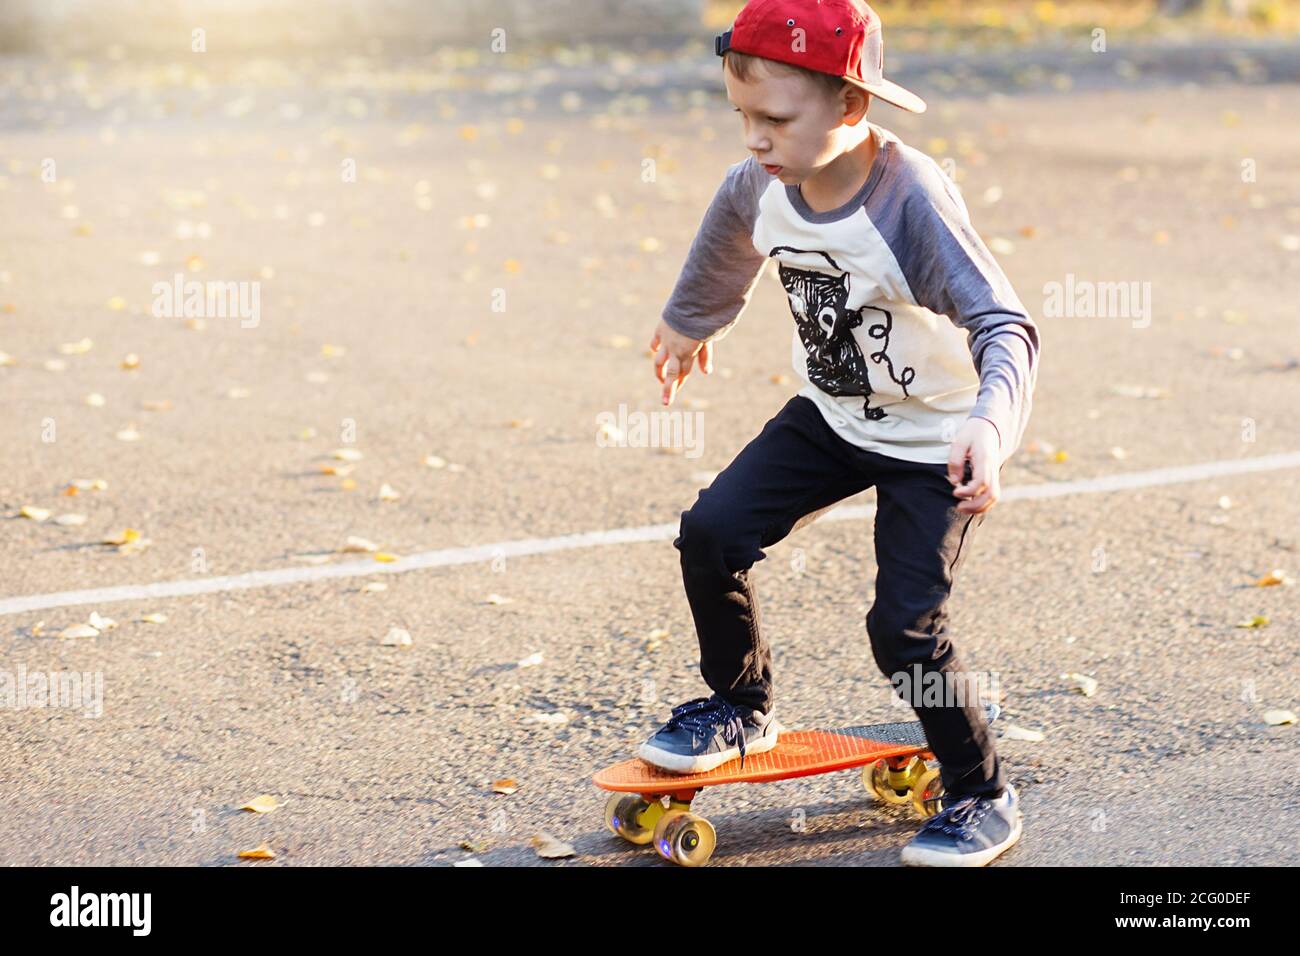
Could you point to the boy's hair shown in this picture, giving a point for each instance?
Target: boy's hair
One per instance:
(742, 65)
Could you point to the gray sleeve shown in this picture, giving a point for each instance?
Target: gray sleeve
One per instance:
(722, 266)
(951, 272)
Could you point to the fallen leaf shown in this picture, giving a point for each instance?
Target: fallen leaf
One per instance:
(36, 514)
(154, 618)
(1082, 683)
(505, 786)
(1277, 718)
(128, 434)
(1273, 578)
(1139, 391)
(125, 536)
(532, 660)
(1256, 621)
(553, 720)
(347, 454)
(70, 520)
(397, 638)
(76, 348)
(372, 586)
(79, 630)
(95, 400)
(101, 623)
(549, 848)
(388, 493)
(1012, 732)
(262, 852)
(385, 557)
(358, 544)
(131, 362)
(263, 804)
(496, 599)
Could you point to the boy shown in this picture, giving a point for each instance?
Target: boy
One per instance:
(918, 361)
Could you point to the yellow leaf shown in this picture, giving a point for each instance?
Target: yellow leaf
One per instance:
(36, 514)
(154, 618)
(263, 804)
(385, 557)
(1274, 577)
(1257, 620)
(125, 536)
(348, 484)
(506, 786)
(131, 361)
(1277, 718)
(262, 852)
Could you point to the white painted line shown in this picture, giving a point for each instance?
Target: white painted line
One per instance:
(590, 539)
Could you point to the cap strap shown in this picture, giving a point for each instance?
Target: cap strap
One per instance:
(722, 43)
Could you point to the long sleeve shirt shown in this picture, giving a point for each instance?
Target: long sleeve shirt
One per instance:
(905, 325)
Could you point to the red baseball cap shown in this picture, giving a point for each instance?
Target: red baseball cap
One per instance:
(839, 37)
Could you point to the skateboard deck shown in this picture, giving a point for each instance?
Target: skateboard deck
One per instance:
(652, 805)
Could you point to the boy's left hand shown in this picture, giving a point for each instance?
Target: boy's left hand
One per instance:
(977, 440)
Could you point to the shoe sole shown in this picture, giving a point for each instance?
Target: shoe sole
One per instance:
(685, 763)
(921, 856)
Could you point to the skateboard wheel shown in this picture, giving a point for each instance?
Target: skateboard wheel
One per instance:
(684, 838)
(624, 815)
(892, 786)
(927, 793)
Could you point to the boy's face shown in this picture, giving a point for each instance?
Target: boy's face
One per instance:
(791, 123)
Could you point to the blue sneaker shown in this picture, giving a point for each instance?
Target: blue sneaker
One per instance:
(971, 831)
(708, 731)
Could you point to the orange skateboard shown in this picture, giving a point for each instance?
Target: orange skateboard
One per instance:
(651, 805)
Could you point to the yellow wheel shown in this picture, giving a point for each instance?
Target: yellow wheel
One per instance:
(927, 793)
(684, 838)
(632, 817)
(892, 786)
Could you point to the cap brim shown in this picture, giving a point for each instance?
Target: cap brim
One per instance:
(891, 93)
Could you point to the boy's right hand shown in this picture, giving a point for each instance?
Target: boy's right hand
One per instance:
(674, 356)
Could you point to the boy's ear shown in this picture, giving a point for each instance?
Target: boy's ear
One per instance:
(856, 104)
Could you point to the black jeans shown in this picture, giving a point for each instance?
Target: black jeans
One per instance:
(797, 465)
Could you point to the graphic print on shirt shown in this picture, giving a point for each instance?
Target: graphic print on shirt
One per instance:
(836, 365)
